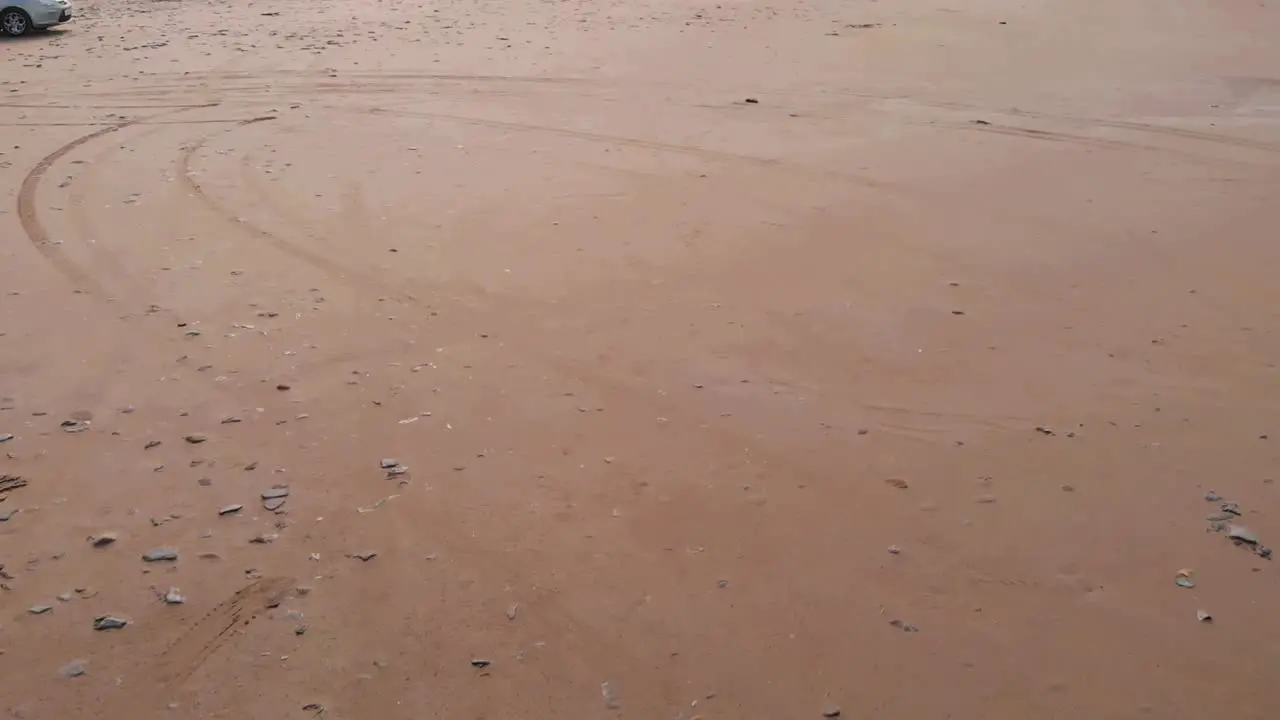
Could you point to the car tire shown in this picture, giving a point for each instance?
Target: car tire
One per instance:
(15, 22)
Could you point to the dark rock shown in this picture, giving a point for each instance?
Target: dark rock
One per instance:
(160, 554)
(480, 663)
(150, 444)
(196, 438)
(751, 101)
(107, 622)
(904, 627)
(102, 539)
(365, 555)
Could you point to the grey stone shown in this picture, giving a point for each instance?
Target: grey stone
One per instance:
(1219, 517)
(75, 668)
(273, 504)
(174, 597)
(610, 696)
(1203, 616)
(5, 437)
(229, 509)
(480, 663)
(263, 538)
(39, 609)
(1212, 496)
(6, 514)
(74, 426)
(1233, 508)
(196, 438)
(904, 627)
(388, 463)
(160, 554)
(275, 491)
(365, 555)
(1243, 534)
(107, 622)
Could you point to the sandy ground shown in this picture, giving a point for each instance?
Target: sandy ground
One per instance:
(748, 359)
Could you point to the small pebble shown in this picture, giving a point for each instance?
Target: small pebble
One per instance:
(274, 492)
(150, 444)
(1212, 496)
(366, 555)
(1182, 578)
(39, 609)
(1203, 616)
(75, 668)
(196, 438)
(904, 627)
(1233, 508)
(894, 550)
(160, 554)
(227, 510)
(831, 712)
(388, 463)
(263, 538)
(610, 696)
(480, 663)
(107, 622)
(5, 437)
(1243, 534)
(174, 597)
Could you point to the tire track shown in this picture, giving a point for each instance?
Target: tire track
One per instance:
(29, 217)
(321, 262)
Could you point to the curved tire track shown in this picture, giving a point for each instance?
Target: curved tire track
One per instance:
(35, 230)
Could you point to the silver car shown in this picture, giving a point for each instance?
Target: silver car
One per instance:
(19, 17)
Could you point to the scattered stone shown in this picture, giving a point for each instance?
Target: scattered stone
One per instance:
(75, 426)
(1263, 552)
(388, 463)
(397, 470)
(512, 610)
(831, 712)
(610, 696)
(65, 597)
(722, 584)
(898, 483)
(985, 499)
(5, 437)
(751, 101)
(1212, 496)
(1242, 534)
(1233, 508)
(107, 622)
(264, 538)
(1203, 616)
(480, 663)
(273, 504)
(39, 609)
(1219, 517)
(150, 444)
(274, 492)
(229, 509)
(11, 482)
(366, 555)
(196, 438)
(313, 707)
(894, 550)
(204, 482)
(1068, 488)
(1182, 578)
(6, 514)
(904, 627)
(1044, 430)
(73, 669)
(160, 554)
(230, 419)
(127, 409)
(174, 597)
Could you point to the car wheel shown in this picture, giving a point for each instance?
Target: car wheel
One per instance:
(15, 22)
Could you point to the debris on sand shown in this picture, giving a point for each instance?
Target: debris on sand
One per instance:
(904, 627)
(173, 596)
(480, 663)
(1241, 534)
(11, 482)
(107, 622)
(1203, 616)
(102, 539)
(73, 669)
(160, 554)
(1212, 496)
(610, 696)
(365, 555)
(74, 426)
(1182, 578)
(229, 509)
(898, 483)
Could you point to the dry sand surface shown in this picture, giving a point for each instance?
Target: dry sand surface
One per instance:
(744, 359)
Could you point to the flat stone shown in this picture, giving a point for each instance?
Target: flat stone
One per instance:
(1212, 496)
(388, 463)
(264, 538)
(5, 437)
(273, 504)
(6, 514)
(1233, 508)
(75, 668)
(174, 597)
(365, 555)
(1203, 616)
(74, 426)
(107, 622)
(229, 509)
(276, 491)
(160, 554)
(196, 438)
(1243, 534)
(1219, 517)
(39, 609)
